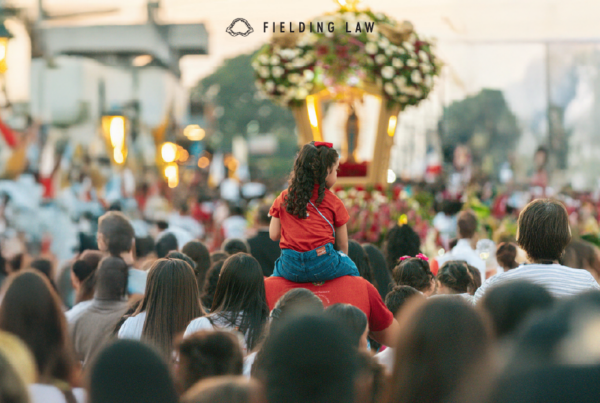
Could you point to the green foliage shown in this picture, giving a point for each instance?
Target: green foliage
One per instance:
(232, 88)
(484, 123)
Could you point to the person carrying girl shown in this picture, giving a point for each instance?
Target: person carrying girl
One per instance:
(308, 220)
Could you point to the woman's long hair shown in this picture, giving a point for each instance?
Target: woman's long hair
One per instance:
(31, 310)
(210, 285)
(360, 258)
(241, 292)
(443, 342)
(311, 168)
(84, 268)
(201, 256)
(171, 302)
(381, 274)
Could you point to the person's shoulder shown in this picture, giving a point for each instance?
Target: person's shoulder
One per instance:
(201, 323)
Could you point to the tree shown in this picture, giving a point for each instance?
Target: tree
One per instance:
(484, 123)
(240, 110)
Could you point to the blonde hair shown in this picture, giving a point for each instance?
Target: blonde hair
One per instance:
(19, 357)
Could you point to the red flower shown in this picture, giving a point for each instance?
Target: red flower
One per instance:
(322, 50)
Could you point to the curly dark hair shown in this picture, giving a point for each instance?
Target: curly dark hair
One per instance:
(414, 272)
(401, 241)
(311, 167)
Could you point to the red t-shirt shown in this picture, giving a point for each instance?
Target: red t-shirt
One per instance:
(303, 235)
(345, 290)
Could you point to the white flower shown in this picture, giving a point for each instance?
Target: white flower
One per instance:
(309, 75)
(383, 42)
(264, 59)
(371, 48)
(426, 67)
(400, 81)
(380, 59)
(428, 81)
(275, 60)
(263, 72)
(294, 78)
(269, 86)
(299, 62)
(412, 63)
(423, 55)
(278, 71)
(389, 88)
(301, 93)
(397, 63)
(409, 46)
(403, 99)
(372, 36)
(418, 94)
(288, 53)
(387, 72)
(416, 77)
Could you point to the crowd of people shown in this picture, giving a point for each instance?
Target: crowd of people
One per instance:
(300, 313)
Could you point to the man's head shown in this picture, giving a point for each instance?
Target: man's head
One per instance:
(111, 278)
(165, 244)
(262, 216)
(543, 230)
(115, 233)
(235, 245)
(466, 224)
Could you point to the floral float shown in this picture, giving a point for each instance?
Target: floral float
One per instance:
(381, 52)
(345, 58)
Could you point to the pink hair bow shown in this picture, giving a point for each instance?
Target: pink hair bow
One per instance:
(322, 143)
(422, 257)
(419, 256)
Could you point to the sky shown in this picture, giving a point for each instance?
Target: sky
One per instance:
(453, 22)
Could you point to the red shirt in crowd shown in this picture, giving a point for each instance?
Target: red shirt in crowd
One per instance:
(303, 235)
(347, 290)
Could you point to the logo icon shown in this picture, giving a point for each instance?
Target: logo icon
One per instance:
(248, 31)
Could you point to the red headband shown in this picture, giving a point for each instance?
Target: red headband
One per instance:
(322, 143)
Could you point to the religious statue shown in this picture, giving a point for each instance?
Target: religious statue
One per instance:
(352, 130)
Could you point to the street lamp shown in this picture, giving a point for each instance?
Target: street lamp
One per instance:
(114, 127)
(4, 37)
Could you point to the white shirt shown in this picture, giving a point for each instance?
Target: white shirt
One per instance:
(561, 281)
(203, 323)
(132, 327)
(187, 223)
(386, 358)
(248, 363)
(235, 227)
(39, 393)
(80, 307)
(463, 251)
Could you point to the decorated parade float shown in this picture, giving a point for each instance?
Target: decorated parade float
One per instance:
(348, 85)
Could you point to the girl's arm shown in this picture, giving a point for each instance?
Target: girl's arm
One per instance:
(275, 229)
(341, 238)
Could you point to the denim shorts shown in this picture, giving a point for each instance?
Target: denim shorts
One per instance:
(314, 266)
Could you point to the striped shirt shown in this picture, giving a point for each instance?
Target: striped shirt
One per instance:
(560, 281)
